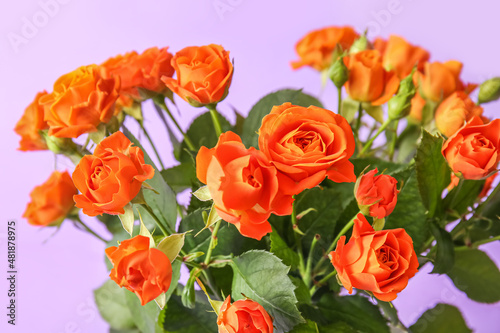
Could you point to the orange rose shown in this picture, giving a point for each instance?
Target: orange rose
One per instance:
(368, 80)
(381, 262)
(400, 56)
(145, 271)
(376, 195)
(316, 48)
(30, 125)
(111, 177)
(473, 150)
(455, 111)
(243, 316)
(139, 71)
(417, 106)
(439, 80)
(243, 185)
(307, 144)
(81, 100)
(51, 201)
(204, 74)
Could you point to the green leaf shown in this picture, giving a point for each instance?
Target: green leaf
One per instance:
(301, 291)
(308, 327)
(445, 254)
(280, 249)
(178, 318)
(409, 212)
(176, 275)
(441, 318)
(337, 327)
(349, 109)
(463, 196)
(264, 106)
(262, 277)
(181, 177)
(145, 317)
(407, 142)
(356, 311)
(203, 194)
(164, 204)
(127, 219)
(374, 111)
(433, 172)
(172, 245)
(112, 305)
(477, 275)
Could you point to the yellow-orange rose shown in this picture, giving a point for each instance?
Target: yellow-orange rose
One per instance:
(455, 111)
(204, 74)
(306, 145)
(316, 48)
(30, 125)
(51, 201)
(81, 100)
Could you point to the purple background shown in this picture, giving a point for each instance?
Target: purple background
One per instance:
(57, 275)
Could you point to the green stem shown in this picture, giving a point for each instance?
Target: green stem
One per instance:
(334, 243)
(152, 144)
(488, 199)
(90, 231)
(157, 220)
(370, 142)
(212, 240)
(392, 147)
(161, 103)
(298, 241)
(358, 120)
(339, 95)
(485, 241)
(215, 119)
(307, 275)
(322, 281)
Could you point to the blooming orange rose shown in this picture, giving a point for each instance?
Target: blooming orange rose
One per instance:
(381, 262)
(204, 74)
(400, 56)
(81, 100)
(139, 71)
(473, 150)
(145, 271)
(243, 316)
(316, 48)
(307, 144)
(30, 125)
(51, 201)
(111, 177)
(417, 106)
(243, 185)
(376, 195)
(455, 111)
(368, 80)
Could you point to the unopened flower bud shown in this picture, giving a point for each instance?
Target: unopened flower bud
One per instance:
(338, 73)
(489, 90)
(361, 44)
(399, 106)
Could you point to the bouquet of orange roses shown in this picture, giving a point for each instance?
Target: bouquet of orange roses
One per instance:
(289, 204)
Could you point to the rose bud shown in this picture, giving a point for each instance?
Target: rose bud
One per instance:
(338, 73)
(376, 195)
(306, 145)
(317, 47)
(454, 112)
(380, 262)
(400, 105)
(473, 150)
(145, 271)
(360, 44)
(243, 316)
(111, 177)
(489, 90)
(81, 100)
(368, 80)
(243, 185)
(30, 125)
(204, 74)
(139, 71)
(400, 56)
(52, 201)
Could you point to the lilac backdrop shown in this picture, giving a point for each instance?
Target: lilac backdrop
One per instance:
(57, 273)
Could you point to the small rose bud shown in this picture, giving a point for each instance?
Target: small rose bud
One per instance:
(399, 106)
(338, 72)
(489, 90)
(360, 44)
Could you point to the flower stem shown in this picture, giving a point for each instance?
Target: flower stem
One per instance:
(358, 121)
(392, 147)
(152, 144)
(215, 119)
(322, 281)
(161, 103)
(298, 241)
(212, 240)
(370, 142)
(90, 231)
(307, 275)
(339, 98)
(334, 243)
(158, 222)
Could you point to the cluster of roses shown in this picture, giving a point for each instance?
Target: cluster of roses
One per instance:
(298, 148)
